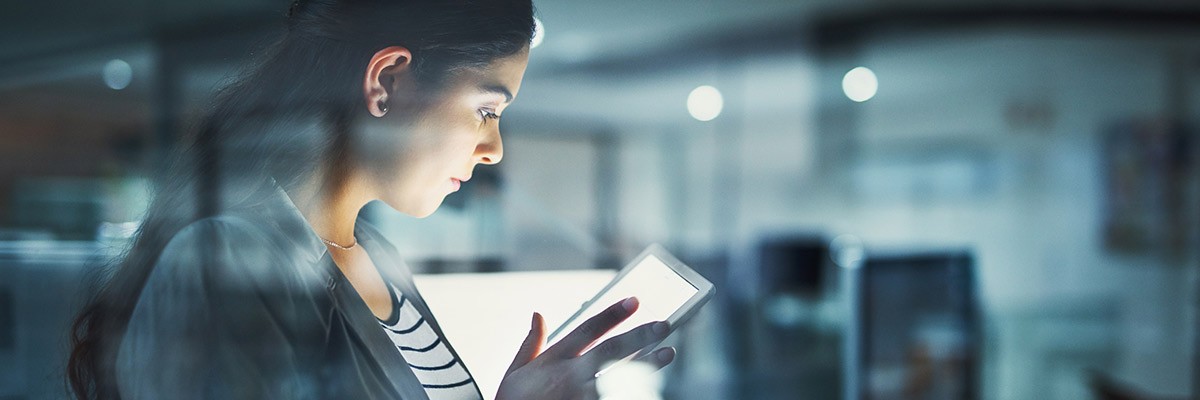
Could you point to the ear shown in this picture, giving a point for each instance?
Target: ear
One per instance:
(384, 71)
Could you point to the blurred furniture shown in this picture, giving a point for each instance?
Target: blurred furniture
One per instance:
(790, 339)
(915, 329)
(71, 209)
(1105, 387)
(41, 284)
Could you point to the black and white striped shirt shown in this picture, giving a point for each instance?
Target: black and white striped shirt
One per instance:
(443, 375)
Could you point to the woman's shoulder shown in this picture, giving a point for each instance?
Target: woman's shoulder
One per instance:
(218, 230)
(222, 301)
(230, 251)
(218, 239)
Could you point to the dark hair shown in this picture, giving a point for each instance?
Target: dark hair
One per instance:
(298, 104)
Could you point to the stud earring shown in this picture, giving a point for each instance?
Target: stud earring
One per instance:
(383, 108)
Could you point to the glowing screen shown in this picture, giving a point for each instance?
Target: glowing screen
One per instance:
(659, 290)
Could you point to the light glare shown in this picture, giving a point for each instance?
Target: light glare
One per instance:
(860, 84)
(633, 380)
(705, 103)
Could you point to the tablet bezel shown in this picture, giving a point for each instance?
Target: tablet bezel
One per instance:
(704, 292)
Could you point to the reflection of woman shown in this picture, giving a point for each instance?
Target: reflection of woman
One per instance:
(252, 277)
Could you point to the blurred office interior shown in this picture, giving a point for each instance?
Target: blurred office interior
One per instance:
(896, 199)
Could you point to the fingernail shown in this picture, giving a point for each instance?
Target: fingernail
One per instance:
(630, 304)
(660, 328)
(666, 355)
(533, 321)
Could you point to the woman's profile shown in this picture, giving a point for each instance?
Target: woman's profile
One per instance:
(252, 276)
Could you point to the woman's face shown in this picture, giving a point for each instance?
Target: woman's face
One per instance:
(438, 139)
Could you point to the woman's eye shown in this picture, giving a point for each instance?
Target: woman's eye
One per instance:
(488, 114)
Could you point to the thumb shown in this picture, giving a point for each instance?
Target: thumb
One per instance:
(532, 344)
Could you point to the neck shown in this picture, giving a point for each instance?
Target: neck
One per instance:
(331, 209)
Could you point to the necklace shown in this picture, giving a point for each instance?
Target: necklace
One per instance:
(335, 245)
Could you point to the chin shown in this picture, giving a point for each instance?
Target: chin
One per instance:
(425, 210)
(422, 210)
(424, 214)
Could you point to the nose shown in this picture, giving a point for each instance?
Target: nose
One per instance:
(491, 149)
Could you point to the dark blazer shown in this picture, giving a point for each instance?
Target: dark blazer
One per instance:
(249, 305)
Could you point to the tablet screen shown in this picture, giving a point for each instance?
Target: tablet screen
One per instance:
(659, 290)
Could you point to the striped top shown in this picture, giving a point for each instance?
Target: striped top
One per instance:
(443, 375)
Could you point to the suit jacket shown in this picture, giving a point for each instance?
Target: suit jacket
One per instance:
(249, 305)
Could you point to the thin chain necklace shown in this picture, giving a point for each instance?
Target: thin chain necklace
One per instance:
(338, 246)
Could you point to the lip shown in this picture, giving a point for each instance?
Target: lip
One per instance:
(456, 183)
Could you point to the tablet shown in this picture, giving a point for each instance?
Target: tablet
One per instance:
(666, 290)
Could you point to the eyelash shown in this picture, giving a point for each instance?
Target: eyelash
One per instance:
(488, 115)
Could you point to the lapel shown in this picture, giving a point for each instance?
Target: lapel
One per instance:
(347, 301)
(388, 261)
(364, 325)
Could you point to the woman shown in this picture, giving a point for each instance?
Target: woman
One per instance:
(252, 276)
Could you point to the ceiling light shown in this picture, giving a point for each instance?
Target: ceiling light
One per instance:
(705, 103)
(860, 84)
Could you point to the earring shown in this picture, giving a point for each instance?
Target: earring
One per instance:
(383, 108)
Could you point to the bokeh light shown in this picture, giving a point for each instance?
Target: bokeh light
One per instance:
(117, 74)
(860, 84)
(705, 103)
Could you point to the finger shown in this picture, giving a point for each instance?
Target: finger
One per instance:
(656, 360)
(659, 358)
(532, 344)
(627, 343)
(592, 329)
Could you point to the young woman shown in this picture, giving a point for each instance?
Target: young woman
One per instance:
(252, 276)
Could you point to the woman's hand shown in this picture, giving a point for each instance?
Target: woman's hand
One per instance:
(562, 373)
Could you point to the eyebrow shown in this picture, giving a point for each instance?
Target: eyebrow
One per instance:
(498, 89)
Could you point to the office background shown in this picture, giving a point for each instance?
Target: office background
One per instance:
(1016, 181)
